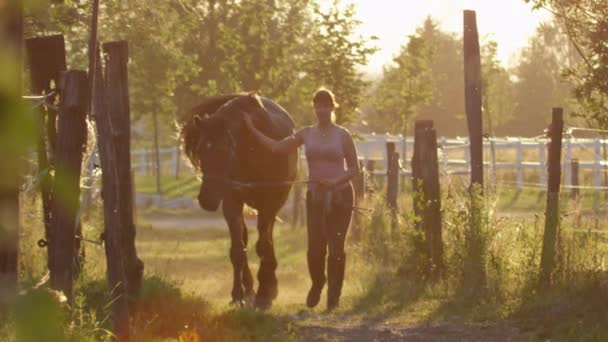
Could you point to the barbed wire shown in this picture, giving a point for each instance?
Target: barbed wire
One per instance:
(42, 99)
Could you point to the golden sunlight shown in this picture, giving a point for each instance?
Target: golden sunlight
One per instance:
(509, 22)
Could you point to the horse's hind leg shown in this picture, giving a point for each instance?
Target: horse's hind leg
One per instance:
(268, 287)
(233, 213)
(247, 277)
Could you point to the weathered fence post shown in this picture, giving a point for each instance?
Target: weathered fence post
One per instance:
(431, 217)
(359, 184)
(567, 159)
(493, 162)
(392, 175)
(542, 169)
(475, 274)
(118, 108)
(11, 38)
(550, 238)
(46, 59)
(574, 181)
(125, 270)
(417, 188)
(71, 140)
(359, 188)
(520, 166)
(473, 84)
(370, 182)
(597, 171)
(112, 207)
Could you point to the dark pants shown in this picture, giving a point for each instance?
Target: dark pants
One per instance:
(327, 224)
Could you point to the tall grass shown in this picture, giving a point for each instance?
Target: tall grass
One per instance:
(492, 263)
(188, 276)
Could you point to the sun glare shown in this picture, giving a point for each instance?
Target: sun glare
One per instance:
(508, 22)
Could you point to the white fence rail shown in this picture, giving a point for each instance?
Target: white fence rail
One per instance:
(515, 154)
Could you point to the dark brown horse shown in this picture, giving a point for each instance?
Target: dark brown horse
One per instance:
(236, 170)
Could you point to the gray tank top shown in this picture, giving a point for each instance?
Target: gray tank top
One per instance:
(324, 155)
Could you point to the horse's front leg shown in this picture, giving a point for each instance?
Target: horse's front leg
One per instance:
(247, 277)
(233, 213)
(268, 284)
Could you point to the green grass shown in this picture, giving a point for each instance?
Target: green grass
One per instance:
(188, 277)
(184, 186)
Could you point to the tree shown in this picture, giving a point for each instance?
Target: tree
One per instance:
(332, 57)
(498, 91)
(252, 45)
(405, 85)
(586, 24)
(539, 82)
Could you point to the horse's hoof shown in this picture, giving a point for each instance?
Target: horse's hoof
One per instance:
(249, 298)
(237, 302)
(262, 303)
(274, 293)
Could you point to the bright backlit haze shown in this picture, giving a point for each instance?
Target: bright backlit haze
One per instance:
(508, 22)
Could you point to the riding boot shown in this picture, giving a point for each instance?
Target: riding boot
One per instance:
(335, 279)
(316, 268)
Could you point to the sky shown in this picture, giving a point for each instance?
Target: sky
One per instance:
(509, 22)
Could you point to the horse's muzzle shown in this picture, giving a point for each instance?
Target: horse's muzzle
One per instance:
(207, 203)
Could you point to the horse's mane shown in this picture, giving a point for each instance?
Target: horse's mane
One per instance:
(190, 133)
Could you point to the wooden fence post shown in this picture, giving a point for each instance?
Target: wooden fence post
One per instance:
(112, 207)
(542, 169)
(475, 274)
(370, 183)
(392, 174)
(431, 211)
(118, 108)
(157, 155)
(550, 238)
(125, 270)
(520, 166)
(11, 38)
(597, 171)
(473, 91)
(574, 181)
(46, 59)
(417, 190)
(71, 139)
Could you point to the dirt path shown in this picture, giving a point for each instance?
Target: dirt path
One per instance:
(309, 326)
(177, 222)
(340, 329)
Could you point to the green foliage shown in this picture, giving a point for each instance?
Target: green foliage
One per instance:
(333, 55)
(424, 81)
(498, 91)
(405, 85)
(586, 24)
(540, 85)
(39, 315)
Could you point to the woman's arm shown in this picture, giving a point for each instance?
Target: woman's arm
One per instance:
(276, 146)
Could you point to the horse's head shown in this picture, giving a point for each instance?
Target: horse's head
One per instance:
(210, 141)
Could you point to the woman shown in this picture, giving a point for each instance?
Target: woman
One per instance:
(329, 199)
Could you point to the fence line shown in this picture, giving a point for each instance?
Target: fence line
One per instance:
(454, 158)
